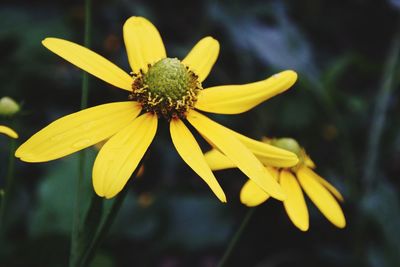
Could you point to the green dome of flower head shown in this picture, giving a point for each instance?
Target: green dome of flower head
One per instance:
(168, 88)
(168, 78)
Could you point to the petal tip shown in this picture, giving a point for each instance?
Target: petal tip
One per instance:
(341, 224)
(136, 21)
(46, 41)
(303, 228)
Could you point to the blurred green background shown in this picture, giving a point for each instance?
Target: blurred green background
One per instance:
(344, 110)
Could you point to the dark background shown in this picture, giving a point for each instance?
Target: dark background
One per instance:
(346, 97)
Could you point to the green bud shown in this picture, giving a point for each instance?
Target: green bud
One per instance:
(8, 106)
(288, 144)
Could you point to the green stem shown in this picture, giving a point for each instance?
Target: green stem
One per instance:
(236, 238)
(104, 227)
(8, 187)
(379, 116)
(76, 221)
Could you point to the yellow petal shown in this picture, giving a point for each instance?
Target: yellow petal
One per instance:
(143, 43)
(233, 99)
(330, 187)
(8, 131)
(252, 195)
(90, 62)
(269, 155)
(120, 156)
(309, 162)
(236, 152)
(321, 197)
(202, 57)
(218, 161)
(294, 203)
(77, 131)
(191, 153)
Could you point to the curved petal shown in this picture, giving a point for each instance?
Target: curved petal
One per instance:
(309, 162)
(236, 152)
(330, 187)
(120, 156)
(191, 153)
(295, 204)
(202, 57)
(321, 197)
(234, 99)
(252, 195)
(218, 161)
(90, 62)
(77, 131)
(8, 131)
(268, 154)
(143, 43)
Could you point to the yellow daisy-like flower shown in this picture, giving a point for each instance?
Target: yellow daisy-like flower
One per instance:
(292, 181)
(158, 87)
(8, 131)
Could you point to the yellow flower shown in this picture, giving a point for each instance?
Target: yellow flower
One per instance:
(8, 131)
(159, 87)
(292, 180)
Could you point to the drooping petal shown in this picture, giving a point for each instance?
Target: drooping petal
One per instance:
(218, 161)
(294, 203)
(143, 43)
(90, 62)
(269, 155)
(202, 57)
(329, 186)
(234, 99)
(191, 153)
(77, 131)
(8, 131)
(236, 152)
(120, 156)
(309, 162)
(321, 197)
(252, 195)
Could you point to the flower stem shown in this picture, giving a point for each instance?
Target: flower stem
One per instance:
(104, 227)
(8, 187)
(236, 238)
(77, 221)
(378, 119)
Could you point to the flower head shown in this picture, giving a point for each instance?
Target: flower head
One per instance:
(292, 180)
(159, 87)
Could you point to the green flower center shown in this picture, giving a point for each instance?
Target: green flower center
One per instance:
(288, 144)
(168, 89)
(291, 145)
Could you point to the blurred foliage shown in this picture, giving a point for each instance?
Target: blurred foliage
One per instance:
(170, 217)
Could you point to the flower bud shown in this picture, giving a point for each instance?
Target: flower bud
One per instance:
(8, 106)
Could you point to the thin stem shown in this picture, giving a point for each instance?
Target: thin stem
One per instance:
(379, 116)
(8, 186)
(77, 221)
(104, 227)
(236, 238)
(107, 220)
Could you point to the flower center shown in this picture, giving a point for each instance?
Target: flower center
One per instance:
(168, 89)
(291, 145)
